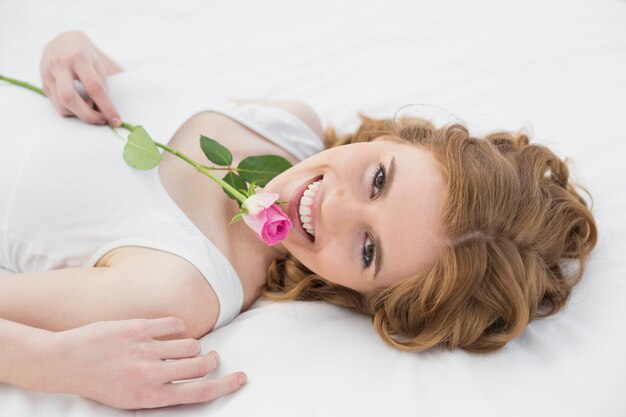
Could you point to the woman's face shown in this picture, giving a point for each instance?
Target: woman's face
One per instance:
(375, 213)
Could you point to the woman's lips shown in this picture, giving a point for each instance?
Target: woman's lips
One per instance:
(294, 203)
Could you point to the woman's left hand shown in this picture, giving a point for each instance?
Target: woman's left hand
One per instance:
(123, 364)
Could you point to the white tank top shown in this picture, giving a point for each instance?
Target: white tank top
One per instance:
(67, 196)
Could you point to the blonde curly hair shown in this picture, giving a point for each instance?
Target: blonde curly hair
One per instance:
(514, 223)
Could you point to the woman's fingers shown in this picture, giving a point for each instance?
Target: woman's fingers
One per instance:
(52, 94)
(50, 89)
(181, 369)
(69, 98)
(96, 89)
(178, 348)
(165, 326)
(204, 390)
(47, 81)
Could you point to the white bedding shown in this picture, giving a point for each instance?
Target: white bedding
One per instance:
(556, 68)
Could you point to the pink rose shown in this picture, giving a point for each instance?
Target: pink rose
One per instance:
(267, 220)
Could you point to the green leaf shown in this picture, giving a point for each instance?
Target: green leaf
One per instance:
(216, 153)
(236, 218)
(237, 183)
(140, 151)
(261, 169)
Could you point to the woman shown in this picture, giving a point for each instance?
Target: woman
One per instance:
(444, 239)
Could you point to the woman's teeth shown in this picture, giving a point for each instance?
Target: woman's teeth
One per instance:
(305, 206)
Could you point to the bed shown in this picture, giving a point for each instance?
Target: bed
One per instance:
(553, 68)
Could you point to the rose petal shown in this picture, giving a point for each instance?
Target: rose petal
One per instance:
(257, 202)
(257, 222)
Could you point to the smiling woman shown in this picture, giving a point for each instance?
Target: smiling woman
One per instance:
(475, 233)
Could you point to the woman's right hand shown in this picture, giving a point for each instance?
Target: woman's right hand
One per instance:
(123, 364)
(72, 56)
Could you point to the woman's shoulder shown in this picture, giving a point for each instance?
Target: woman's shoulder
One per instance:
(298, 108)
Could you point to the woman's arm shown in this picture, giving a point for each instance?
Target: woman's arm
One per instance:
(121, 364)
(72, 56)
(147, 285)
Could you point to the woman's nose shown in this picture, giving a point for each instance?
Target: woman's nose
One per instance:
(339, 209)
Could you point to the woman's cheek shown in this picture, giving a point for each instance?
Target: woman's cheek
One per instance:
(315, 263)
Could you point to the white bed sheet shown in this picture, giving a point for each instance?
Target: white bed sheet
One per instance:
(554, 67)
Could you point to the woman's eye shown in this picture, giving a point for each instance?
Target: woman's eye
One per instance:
(368, 253)
(378, 179)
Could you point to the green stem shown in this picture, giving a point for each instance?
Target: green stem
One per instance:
(130, 128)
(23, 84)
(204, 170)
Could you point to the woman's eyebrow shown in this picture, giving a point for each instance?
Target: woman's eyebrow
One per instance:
(379, 245)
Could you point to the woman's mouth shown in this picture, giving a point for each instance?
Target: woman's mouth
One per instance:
(302, 207)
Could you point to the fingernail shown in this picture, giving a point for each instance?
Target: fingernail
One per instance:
(242, 379)
(217, 356)
(116, 121)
